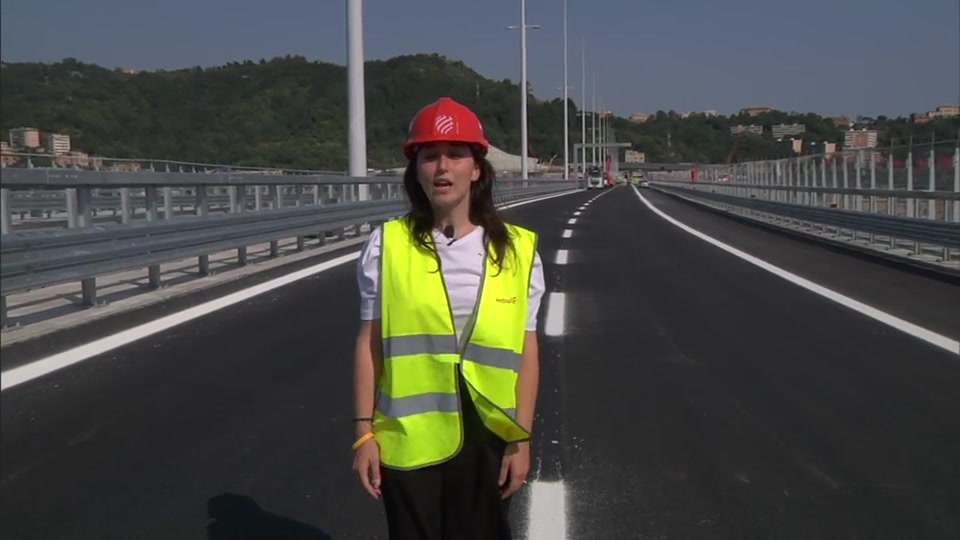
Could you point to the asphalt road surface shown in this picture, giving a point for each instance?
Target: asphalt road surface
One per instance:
(689, 394)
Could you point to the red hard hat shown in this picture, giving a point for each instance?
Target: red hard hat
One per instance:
(447, 121)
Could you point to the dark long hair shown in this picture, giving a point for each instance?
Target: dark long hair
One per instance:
(483, 211)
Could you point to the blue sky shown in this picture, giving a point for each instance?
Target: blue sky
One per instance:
(827, 56)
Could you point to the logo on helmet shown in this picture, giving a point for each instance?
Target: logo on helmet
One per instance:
(444, 124)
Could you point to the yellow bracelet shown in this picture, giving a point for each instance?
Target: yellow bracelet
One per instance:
(366, 437)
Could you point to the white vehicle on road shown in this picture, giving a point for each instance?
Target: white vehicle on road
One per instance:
(594, 178)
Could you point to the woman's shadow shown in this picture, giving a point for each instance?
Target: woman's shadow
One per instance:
(238, 517)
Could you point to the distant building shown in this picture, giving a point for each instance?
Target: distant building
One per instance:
(639, 117)
(943, 111)
(632, 156)
(78, 159)
(756, 130)
(57, 144)
(949, 110)
(861, 138)
(754, 111)
(786, 130)
(710, 113)
(824, 148)
(24, 138)
(842, 121)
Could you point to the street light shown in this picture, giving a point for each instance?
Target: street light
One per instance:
(523, 84)
(593, 119)
(600, 149)
(566, 132)
(355, 95)
(583, 107)
(566, 120)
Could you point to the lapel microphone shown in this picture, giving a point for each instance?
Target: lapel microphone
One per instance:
(448, 232)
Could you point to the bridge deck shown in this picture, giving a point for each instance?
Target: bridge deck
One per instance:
(690, 395)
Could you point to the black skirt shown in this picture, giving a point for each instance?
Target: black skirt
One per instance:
(458, 499)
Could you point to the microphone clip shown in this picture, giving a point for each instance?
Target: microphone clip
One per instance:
(449, 233)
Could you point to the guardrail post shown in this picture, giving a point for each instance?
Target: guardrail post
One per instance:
(846, 182)
(125, 212)
(911, 211)
(150, 196)
(823, 181)
(891, 201)
(276, 195)
(167, 203)
(84, 210)
(911, 202)
(6, 216)
(859, 183)
(153, 272)
(956, 182)
(201, 208)
(873, 185)
(88, 288)
(835, 198)
(932, 167)
(70, 196)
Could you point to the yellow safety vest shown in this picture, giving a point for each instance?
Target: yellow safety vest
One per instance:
(417, 417)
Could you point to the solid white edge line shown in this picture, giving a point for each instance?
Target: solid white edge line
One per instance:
(944, 342)
(38, 368)
(548, 511)
(69, 357)
(556, 314)
(562, 256)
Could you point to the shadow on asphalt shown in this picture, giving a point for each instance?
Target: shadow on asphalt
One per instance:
(238, 517)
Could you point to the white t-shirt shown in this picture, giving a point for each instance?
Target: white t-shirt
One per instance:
(462, 267)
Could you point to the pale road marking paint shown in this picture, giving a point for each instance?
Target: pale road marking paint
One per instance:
(548, 511)
(893, 321)
(577, 213)
(572, 221)
(44, 366)
(556, 314)
(567, 233)
(562, 256)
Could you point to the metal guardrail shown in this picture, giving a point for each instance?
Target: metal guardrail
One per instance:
(943, 236)
(41, 258)
(83, 161)
(84, 195)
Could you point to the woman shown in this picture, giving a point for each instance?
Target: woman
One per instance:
(446, 362)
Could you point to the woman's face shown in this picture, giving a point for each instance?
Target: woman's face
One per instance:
(446, 171)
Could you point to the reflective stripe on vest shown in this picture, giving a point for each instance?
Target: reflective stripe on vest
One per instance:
(417, 414)
(395, 346)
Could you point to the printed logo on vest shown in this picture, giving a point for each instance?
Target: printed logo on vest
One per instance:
(511, 300)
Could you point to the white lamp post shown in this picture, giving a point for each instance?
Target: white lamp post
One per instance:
(523, 85)
(566, 121)
(355, 95)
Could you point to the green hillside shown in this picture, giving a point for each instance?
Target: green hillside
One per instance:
(290, 112)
